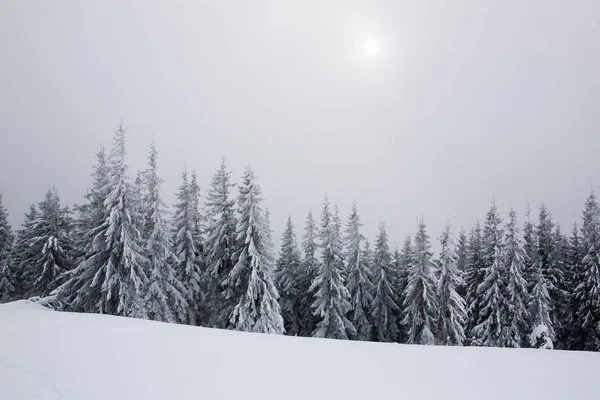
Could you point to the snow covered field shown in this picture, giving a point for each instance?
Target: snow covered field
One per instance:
(51, 355)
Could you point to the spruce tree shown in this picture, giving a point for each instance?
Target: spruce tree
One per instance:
(587, 291)
(185, 247)
(403, 262)
(474, 274)
(542, 331)
(332, 299)
(220, 246)
(462, 259)
(359, 282)
(385, 301)
(257, 308)
(530, 249)
(420, 303)
(452, 313)
(7, 276)
(111, 278)
(575, 255)
(48, 241)
(517, 315)
(288, 277)
(165, 297)
(491, 292)
(309, 268)
(23, 255)
(546, 259)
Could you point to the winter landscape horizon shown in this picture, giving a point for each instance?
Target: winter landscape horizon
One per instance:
(317, 199)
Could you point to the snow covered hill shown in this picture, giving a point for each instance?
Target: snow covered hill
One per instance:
(52, 355)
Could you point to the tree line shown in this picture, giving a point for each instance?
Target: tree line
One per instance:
(212, 263)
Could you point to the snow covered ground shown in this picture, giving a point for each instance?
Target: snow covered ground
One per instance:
(52, 355)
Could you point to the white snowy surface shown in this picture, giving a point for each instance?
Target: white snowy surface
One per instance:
(52, 355)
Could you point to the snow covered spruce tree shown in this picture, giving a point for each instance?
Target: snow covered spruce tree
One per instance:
(452, 313)
(462, 259)
(385, 301)
(474, 274)
(48, 240)
(491, 292)
(587, 291)
(185, 245)
(530, 249)
(7, 276)
(420, 303)
(220, 246)
(23, 255)
(517, 315)
(251, 279)
(288, 276)
(575, 255)
(358, 282)
(165, 296)
(403, 260)
(546, 260)
(309, 268)
(332, 299)
(111, 278)
(542, 333)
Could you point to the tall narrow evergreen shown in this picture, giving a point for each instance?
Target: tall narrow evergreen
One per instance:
(256, 306)
(542, 331)
(530, 250)
(185, 247)
(7, 276)
(359, 282)
(288, 278)
(492, 290)
(165, 297)
(575, 255)
(420, 303)
(403, 262)
(49, 260)
(474, 275)
(517, 315)
(23, 255)
(547, 259)
(220, 246)
(385, 301)
(111, 278)
(332, 299)
(462, 260)
(452, 313)
(310, 266)
(587, 291)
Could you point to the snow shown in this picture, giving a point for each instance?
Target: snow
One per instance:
(46, 354)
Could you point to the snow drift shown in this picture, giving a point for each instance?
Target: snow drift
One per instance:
(52, 355)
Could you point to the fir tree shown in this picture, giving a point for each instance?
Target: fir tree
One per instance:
(385, 307)
(491, 290)
(111, 278)
(257, 308)
(462, 260)
(542, 333)
(452, 313)
(575, 255)
(165, 297)
(23, 255)
(220, 246)
(288, 277)
(185, 247)
(517, 315)
(7, 276)
(49, 261)
(332, 300)
(359, 282)
(309, 268)
(530, 249)
(474, 275)
(587, 291)
(420, 303)
(403, 262)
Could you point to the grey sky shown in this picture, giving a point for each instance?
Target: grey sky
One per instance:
(467, 101)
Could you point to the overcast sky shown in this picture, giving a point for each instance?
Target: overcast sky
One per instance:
(464, 102)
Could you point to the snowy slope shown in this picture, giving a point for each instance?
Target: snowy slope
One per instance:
(51, 355)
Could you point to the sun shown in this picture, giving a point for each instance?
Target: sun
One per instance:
(371, 47)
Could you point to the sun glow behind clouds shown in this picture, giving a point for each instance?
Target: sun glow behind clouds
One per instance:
(371, 47)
